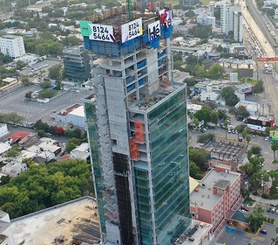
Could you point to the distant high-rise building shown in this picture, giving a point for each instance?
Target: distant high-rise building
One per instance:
(137, 129)
(77, 63)
(12, 46)
(231, 20)
(238, 26)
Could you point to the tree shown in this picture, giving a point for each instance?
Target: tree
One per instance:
(229, 96)
(20, 65)
(56, 73)
(46, 185)
(73, 143)
(256, 150)
(203, 115)
(216, 72)
(25, 81)
(200, 157)
(45, 85)
(28, 95)
(13, 152)
(256, 218)
(241, 112)
(248, 139)
(274, 148)
(259, 87)
(214, 117)
(47, 93)
(71, 41)
(201, 31)
(194, 170)
(12, 118)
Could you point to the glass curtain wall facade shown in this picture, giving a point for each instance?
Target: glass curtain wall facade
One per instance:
(167, 125)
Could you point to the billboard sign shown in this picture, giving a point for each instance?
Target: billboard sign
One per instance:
(102, 33)
(154, 30)
(166, 17)
(274, 135)
(131, 30)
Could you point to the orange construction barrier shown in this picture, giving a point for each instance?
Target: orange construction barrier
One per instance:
(134, 151)
(139, 131)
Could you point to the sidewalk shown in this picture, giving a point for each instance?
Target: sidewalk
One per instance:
(263, 200)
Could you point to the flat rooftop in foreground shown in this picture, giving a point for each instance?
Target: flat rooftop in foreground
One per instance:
(74, 219)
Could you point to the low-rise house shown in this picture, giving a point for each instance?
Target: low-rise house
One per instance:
(81, 152)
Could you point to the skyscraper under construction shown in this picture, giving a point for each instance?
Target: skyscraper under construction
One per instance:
(137, 128)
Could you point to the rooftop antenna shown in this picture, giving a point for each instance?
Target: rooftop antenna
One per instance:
(129, 9)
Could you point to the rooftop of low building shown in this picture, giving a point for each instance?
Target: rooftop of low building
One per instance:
(203, 195)
(75, 219)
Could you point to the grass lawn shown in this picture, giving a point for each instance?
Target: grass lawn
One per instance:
(249, 201)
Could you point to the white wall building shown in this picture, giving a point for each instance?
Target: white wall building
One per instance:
(209, 96)
(6, 237)
(206, 20)
(73, 115)
(231, 19)
(252, 107)
(12, 46)
(3, 130)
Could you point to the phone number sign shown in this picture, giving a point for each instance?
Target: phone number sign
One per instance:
(102, 33)
(131, 30)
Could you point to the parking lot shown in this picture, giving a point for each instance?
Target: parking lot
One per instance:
(45, 64)
(33, 111)
(239, 237)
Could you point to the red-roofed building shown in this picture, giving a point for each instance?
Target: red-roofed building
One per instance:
(18, 136)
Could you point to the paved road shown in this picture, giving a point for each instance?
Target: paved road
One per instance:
(249, 20)
(271, 90)
(262, 21)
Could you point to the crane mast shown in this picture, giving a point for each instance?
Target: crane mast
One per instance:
(129, 9)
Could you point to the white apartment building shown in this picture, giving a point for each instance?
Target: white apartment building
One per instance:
(206, 20)
(231, 19)
(12, 46)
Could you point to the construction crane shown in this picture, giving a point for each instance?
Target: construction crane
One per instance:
(129, 9)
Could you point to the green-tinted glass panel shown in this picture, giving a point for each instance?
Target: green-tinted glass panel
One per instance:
(170, 178)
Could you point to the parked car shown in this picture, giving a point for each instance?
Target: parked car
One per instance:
(266, 138)
(263, 232)
(268, 209)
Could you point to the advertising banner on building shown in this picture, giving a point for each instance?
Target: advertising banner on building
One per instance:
(154, 30)
(274, 135)
(166, 17)
(131, 30)
(102, 33)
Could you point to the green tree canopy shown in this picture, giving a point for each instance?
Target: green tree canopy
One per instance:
(228, 93)
(44, 186)
(256, 218)
(200, 157)
(56, 72)
(11, 118)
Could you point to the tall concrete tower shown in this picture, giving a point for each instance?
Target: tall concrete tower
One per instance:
(137, 129)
